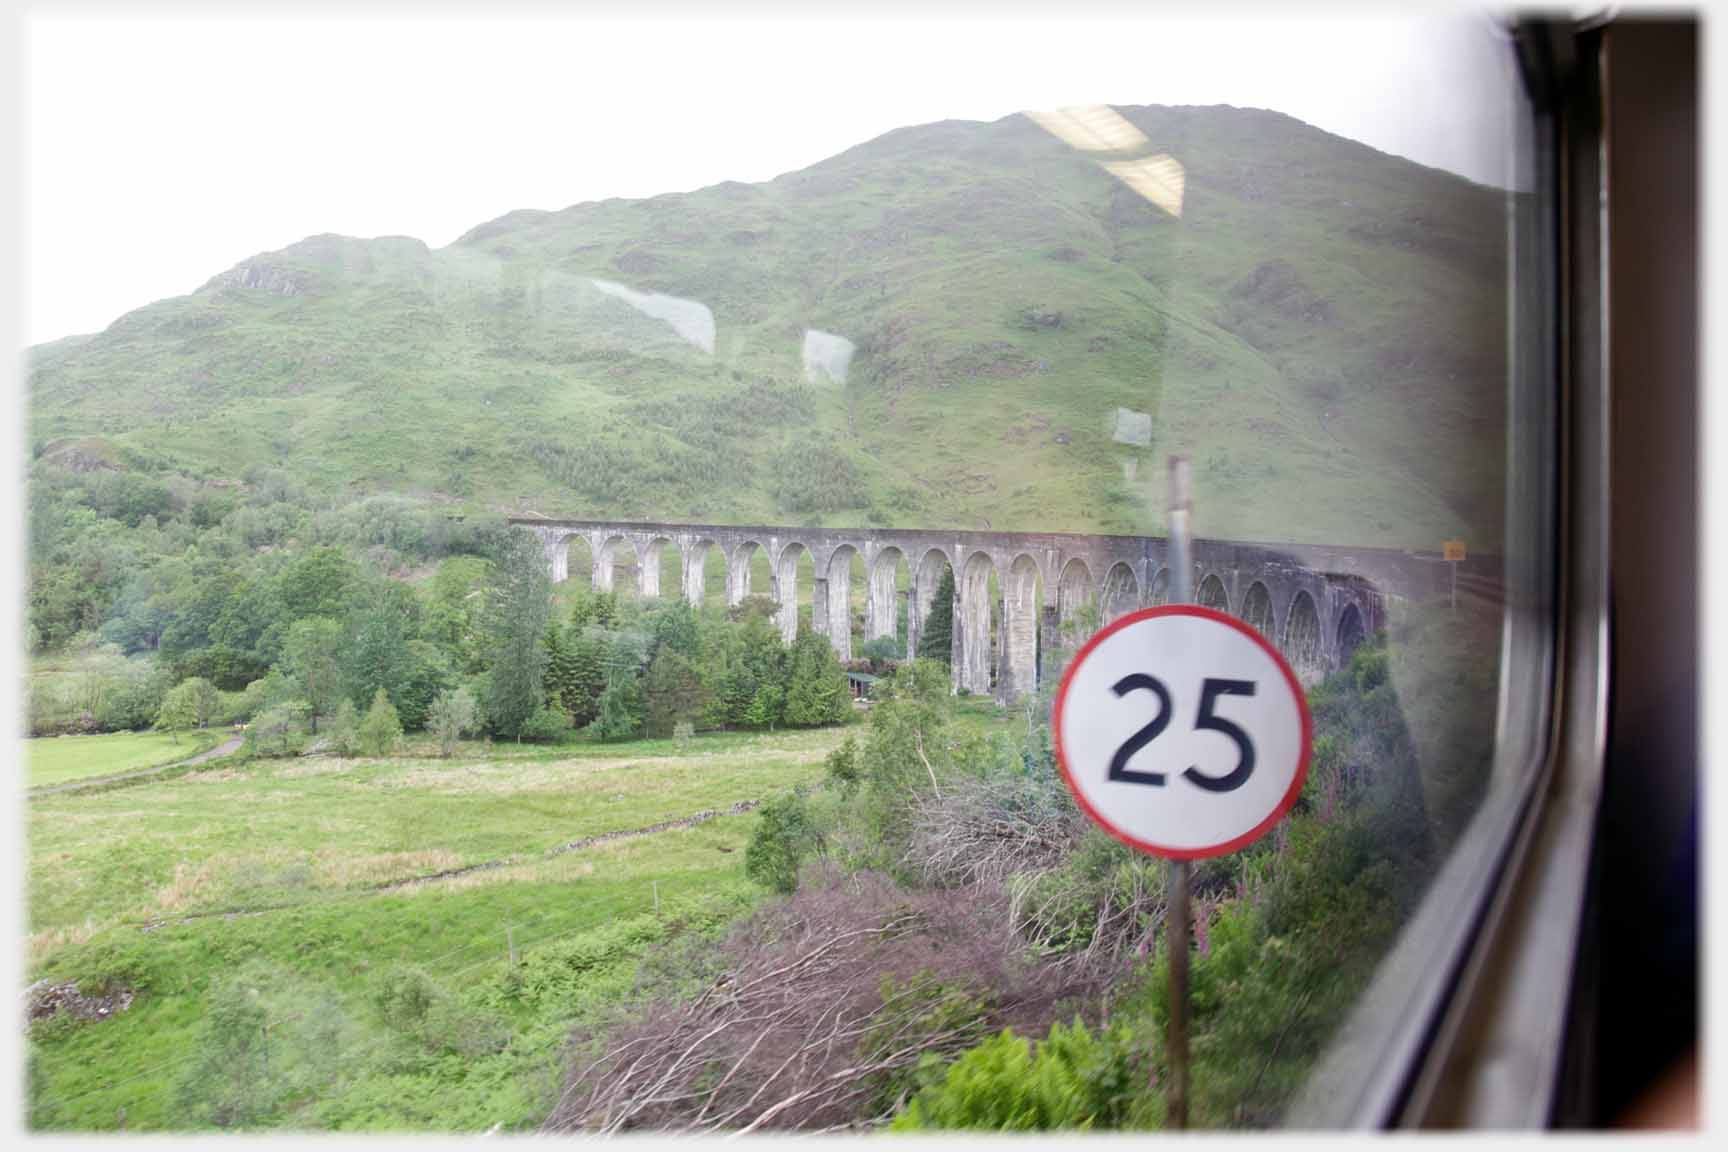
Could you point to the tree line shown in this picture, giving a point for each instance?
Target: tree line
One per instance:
(177, 606)
(484, 653)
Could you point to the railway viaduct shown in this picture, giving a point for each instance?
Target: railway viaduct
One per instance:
(1051, 588)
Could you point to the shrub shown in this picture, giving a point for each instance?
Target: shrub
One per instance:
(843, 769)
(1075, 1078)
(342, 732)
(564, 972)
(267, 691)
(453, 715)
(227, 1084)
(267, 1042)
(417, 1008)
(404, 995)
(1368, 667)
(380, 731)
(230, 709)
(135, 700)
(278, 730)
(920, 1008)
(189, 704)
(785, 834)
(813, 476)
(547, 726)
(101, 969)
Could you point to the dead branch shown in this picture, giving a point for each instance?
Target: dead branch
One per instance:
(823, 1001)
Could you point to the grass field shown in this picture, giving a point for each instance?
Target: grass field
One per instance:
(58, 759)
(299, 879)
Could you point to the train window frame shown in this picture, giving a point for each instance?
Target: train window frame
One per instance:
(1464, 1022)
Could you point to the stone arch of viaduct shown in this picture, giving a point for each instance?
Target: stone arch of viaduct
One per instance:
(1050, 590)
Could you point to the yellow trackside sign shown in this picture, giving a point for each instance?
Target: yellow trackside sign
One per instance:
(1453, 550)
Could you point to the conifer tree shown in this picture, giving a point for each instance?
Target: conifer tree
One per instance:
(736, 690)
(936, 642)
(672, 691)
(816, 690)
(379, 626)
(619, 710)
(518, 604)
(766, 706)
(559, 683)
(585, 679)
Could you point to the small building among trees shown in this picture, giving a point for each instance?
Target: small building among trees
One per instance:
(862, 684)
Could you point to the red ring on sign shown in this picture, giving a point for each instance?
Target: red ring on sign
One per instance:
(1296, 782)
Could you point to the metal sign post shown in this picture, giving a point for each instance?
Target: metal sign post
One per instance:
(1453, 553)
(1184, 733)
(1177, 904)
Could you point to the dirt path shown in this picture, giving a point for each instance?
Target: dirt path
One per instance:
(232, 744)
(227, 747)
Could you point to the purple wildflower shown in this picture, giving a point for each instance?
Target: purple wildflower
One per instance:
(1202, 926)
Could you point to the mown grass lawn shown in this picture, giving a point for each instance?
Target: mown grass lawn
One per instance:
(278, 874)
(58, 759)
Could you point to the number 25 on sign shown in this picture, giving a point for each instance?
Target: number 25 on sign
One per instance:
(1182, 732)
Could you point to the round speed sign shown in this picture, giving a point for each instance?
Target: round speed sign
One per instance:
(1182, 732)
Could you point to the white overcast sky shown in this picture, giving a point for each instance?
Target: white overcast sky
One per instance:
(162, 150)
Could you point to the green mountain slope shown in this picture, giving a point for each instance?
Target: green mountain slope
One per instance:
(1322, 329)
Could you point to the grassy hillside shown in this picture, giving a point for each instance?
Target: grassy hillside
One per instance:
(1321, 329)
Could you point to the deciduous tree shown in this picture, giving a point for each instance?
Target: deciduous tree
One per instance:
(785, 834)
(179, 711)
(454, 714)
(312, 657)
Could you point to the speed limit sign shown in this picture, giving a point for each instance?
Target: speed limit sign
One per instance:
(1182, 732)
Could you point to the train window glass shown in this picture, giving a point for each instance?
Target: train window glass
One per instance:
(655, 608)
